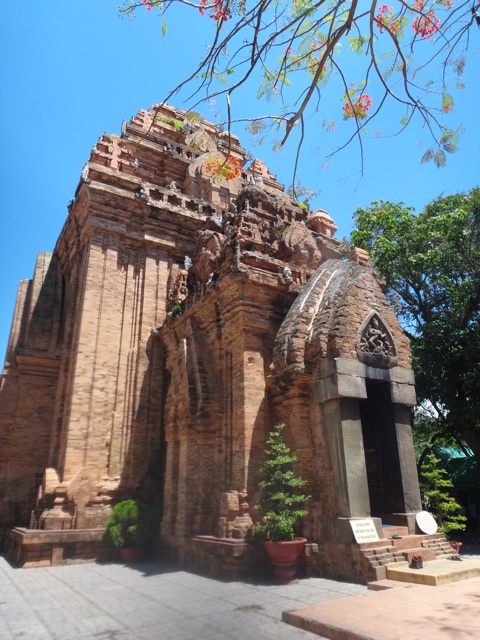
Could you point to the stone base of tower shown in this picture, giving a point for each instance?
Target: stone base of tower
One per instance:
(221, 558)
(39, 548)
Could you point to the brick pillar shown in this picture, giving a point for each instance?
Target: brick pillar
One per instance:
(248, 408)
(106, 399)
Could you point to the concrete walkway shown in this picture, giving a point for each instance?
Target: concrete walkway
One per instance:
(159, 602)
(150, 601)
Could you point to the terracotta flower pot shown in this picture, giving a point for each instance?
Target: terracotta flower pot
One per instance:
(284, 556)
(132, 554)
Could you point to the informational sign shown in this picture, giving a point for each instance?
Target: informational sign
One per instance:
(364, 530)
(426, 522)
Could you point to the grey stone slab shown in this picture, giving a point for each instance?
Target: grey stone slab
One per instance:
(61, 631)
(187, 630)
(16, 617)
(114, 602)
(157, 615)
(399, 374)
(38, 632)
(102, 625)
(272, 631)
(201, 608)
(231, 621)
(403, 394)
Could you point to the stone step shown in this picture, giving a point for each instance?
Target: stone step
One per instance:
(436, 572)
(384, 559)
(397, 553)
(408, 542)
(427, 554)
(391, 530)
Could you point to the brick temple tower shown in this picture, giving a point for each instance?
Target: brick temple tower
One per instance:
(179, 317)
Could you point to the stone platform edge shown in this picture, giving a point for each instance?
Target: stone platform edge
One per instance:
(40, 548)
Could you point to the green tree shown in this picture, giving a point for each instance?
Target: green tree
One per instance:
(436, 497)
(431, 266)
(411, 54)
(281, 498)
(427, 431)
(131, 524)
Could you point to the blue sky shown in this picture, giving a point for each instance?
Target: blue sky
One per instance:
(70, 71)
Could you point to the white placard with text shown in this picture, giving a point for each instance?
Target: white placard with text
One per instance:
(364, 530)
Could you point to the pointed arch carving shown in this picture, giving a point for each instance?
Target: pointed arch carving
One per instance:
(375, 343)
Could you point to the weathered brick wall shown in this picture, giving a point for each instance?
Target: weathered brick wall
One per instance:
(98, 404)
(219, 353)
(27, 391)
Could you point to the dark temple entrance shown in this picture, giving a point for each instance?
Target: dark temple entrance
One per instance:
(381, 450)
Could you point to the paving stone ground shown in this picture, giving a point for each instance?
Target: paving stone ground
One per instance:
(151, 601)
(157, 601)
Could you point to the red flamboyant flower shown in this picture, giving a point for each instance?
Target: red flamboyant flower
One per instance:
(228, 169)
(426, 26)
(219, 10)
(357, 109)
(385, 20)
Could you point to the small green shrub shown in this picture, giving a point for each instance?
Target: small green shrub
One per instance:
(281, 499)
(436, 497)
(177, 309)
(131, 524)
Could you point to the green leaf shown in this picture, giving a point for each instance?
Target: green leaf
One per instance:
(459, 65)
(193, 116)
(440, 159)
(427, 156)
(447, 102)
(177, 124)
(256, 127)
(357, 44)
(450, 148)
(164, 28)
(263, 88)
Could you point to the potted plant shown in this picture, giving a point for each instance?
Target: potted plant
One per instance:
(281, 504)
(456, 545)
(130, 528)
(417, 562)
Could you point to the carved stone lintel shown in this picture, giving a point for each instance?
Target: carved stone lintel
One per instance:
(375, 342)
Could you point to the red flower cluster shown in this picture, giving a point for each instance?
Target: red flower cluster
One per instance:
(218, 10)
(357, 109)
(317, 45)
(148, 3)
(228, 169)
(384, 20)
(425, 26)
